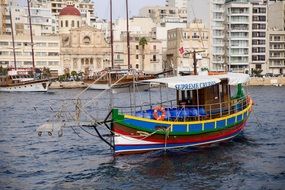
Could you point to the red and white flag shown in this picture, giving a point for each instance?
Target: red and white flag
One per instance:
(181, 50)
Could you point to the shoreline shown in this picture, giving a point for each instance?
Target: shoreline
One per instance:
(254, 81)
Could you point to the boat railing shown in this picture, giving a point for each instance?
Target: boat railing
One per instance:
(185, 112)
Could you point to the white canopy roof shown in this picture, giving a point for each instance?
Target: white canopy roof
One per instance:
(235, 78)
(193, 82)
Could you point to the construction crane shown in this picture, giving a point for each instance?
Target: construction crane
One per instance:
(3, 15)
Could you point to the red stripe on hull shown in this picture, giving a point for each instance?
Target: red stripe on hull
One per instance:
(120, 129)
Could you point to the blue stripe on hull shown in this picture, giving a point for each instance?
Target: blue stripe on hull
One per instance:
(135, 148)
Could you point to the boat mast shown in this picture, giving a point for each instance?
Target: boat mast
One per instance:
(31, 34)
(128, 35)
(13, 40)
(111, 35)
(195, 62)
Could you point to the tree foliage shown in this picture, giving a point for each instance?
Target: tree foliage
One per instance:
(3, 71)
(143, 41)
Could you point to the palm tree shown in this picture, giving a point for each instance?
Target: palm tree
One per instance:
(74, 75)
(142, 43)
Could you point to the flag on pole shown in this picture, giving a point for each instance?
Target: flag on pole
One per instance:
(181, 50)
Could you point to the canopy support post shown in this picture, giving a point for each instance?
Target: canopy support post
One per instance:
(197, 91)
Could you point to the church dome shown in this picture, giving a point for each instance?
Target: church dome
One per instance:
(69, 10)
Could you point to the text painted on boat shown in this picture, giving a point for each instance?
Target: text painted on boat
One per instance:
(192, 86)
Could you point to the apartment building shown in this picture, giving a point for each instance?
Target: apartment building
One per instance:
(276, 15)
(259, 36)
(218, 35)
(276, 53)
(182, 41)
(239, 35)
(276, 38)
(46, 51)
(137, 26)
(41, 18)
(86, 7)
(163, 14)
(146, 58)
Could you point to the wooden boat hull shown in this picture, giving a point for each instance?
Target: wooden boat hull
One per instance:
(134, 134)
(127, 145)
(29, 86)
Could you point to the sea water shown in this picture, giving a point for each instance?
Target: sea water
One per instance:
(80, 160)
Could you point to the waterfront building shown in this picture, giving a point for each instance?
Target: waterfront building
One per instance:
(182, 41)
(46, 50)
(165, 18)
(259, 36)
(218, 35)
(276, 53)
(69, 18)
(42, 19)
(83, 48)
(276, 37)
(146, 58)
(239, 35)
(276, 15)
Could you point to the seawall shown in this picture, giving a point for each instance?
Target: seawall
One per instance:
(69, 84)
(260, 81)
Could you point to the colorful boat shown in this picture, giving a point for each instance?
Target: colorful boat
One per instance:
(204, 112)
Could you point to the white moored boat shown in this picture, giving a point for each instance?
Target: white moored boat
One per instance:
(20, 81)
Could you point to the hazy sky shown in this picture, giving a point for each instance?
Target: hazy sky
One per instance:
(102, 7)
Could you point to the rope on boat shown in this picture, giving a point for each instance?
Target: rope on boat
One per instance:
(257, 119)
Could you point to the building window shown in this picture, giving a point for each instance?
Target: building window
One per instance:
(195, 35)
(66, 23)
(77, 23)
(137, 46)
(4, 43)
(86, 40)
(154, 46)
(72, 23)
(277, 38)
(53, 54)
(137, 56)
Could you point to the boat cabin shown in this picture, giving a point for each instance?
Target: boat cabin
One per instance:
(197, 97)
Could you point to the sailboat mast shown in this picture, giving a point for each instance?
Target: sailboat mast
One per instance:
(195, 62)
(31, 34)
(13, 40)
(111, 34)
(128, 35)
